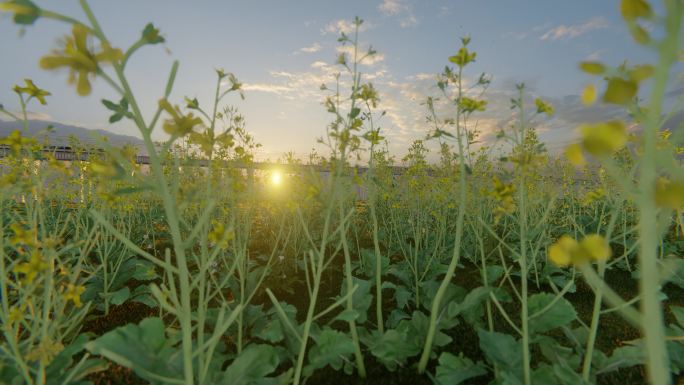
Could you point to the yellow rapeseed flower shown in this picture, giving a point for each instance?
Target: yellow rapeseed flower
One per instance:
(23, 236)
(561, 252)
(595, 247)
(574, 154)
(589, 95)
(593, 196)
(543, 107)
(45, 351)
(603, 138)
(32, 91)
(73, 293)
(219, 235)
(669, 193)
(568, 251)
(32, 268)
(16, 142)
(81, 60)
(15, 315)
(179, 124)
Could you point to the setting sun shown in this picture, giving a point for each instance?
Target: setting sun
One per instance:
(276, 178)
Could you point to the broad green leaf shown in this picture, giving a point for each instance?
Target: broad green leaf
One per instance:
(120, 296)
(347, 315)
(392, 348)
(561, 313)
(62, 366)
(271, 331)
(453, 370)
(501, 349)
(143, 348)
(473, 299)
(678, 313)
(623, 357)
(251, 366)
(332, 348)
(361, 298)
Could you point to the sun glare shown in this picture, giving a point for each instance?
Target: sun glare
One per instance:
(276, 178)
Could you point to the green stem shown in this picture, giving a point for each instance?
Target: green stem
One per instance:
(658, 362)
(441, 291)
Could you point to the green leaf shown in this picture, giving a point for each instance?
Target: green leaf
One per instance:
(252, 366)
(567, 376)
(271, 331)
(561, 313)
(473, 299)
(494, 272)
(332, 348)
(120, 296)
(501, 349)
(622, 357)
(678, 313)
(453, 370)
(143, 348)
(347, 315)
(361, 298)
(120, 110)
(62, 366)
(392, 348)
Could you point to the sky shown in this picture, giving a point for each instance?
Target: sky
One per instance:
(282, 51)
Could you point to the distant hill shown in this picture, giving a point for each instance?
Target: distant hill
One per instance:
(60, 134)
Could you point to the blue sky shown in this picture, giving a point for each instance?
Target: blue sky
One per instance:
(283, 50)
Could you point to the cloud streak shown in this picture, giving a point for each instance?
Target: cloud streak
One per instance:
(565, 32)
(401, 10)
(315, 47)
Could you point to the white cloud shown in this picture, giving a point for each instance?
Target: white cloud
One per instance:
(266, 87)
(315, 47)
(368, 60)
(408, 21)
(594, 56)
(393, 7)
(400, 9)
(343, 25)
(572, 31)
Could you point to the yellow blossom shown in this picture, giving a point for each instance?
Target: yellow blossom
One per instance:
(543, 107)
(80, 59)
(16, 142)
(574, 154)
(595, 247)
(561, 252)
(603, 138)
(593, 196)
(46, 351)
(32, 91)
(568, 251)
(73, 293)
(219, 235)
(589, 95)
(15, 315)
(669, 193)
(23, 236)
(179, 124)
(30, 269)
